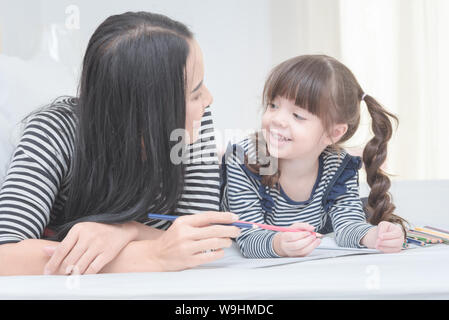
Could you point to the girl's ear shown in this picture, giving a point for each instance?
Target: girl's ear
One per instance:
(337, 132)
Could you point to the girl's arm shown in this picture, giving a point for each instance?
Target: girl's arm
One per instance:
(386, 237)
(348, 218)
(241, 197)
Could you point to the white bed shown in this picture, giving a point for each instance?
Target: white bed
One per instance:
(412, 274)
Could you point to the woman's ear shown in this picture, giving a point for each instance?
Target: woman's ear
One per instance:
(337, 132)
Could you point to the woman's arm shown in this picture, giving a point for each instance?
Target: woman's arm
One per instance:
(186, 244)
(33, 180)
(91, 246)
(28, 257)
(137, 256)
(145, 232)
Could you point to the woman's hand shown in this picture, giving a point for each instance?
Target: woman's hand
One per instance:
(195, 239)
(296, 244)
(88, 247)
(386, 237)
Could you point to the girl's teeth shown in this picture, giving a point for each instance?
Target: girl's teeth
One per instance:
(280, 138)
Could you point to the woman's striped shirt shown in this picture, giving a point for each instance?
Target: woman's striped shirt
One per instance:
(35, 188)
(334, 204)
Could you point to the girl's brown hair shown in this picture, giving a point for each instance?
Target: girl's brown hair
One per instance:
(328, 89)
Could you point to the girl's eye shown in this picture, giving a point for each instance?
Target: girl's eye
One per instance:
(273, 106)
(298, 117)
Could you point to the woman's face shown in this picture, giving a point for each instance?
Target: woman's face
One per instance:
(198, 96)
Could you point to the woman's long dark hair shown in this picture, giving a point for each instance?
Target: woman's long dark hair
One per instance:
(131, 97)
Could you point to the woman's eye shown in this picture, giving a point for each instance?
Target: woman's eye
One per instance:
(273, 106)
(197, 97)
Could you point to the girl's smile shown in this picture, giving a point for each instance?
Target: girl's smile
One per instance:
(276, 140)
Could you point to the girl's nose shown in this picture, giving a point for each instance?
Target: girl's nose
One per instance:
(279, 120)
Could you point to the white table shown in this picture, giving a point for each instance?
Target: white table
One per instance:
(420, 273)
(413, 274)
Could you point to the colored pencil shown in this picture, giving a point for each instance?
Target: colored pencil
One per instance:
(427, 236)
(420, 243)
(440, 230)
(423, 237)
(240, 224)
(440, 239)
(424, 234)
(280, 229)
(432, 232)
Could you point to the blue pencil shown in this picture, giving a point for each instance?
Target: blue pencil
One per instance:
(420, 243)
(172, 218)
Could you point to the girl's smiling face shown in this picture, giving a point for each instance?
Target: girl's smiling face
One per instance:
(292, 132)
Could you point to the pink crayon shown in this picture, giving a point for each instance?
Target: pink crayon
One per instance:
(280, 229)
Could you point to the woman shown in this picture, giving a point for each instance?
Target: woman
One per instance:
(93, 167)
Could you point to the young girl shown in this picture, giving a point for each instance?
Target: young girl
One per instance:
(93, 167)
(295, 173)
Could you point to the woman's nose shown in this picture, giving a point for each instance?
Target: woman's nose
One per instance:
(208, 98)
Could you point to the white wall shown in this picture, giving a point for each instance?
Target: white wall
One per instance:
(395, 48)
(235, 37)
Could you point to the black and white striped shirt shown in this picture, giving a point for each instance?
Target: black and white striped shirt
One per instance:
(334, 204)
(35, 188)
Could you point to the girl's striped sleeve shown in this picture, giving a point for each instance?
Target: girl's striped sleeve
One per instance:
(241, 197)
(348, 218)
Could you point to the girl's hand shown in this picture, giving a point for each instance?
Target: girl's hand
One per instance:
(296, 244)
(195, 239)
(88, 247)
(386, 237)
(390, 237)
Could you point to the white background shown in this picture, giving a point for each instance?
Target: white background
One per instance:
(396, 49)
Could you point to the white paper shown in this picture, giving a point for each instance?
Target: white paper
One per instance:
(327, 249)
